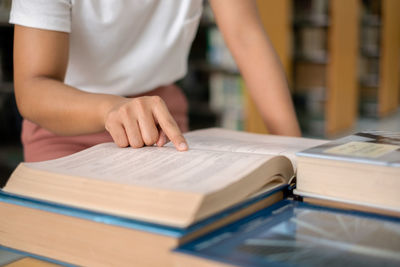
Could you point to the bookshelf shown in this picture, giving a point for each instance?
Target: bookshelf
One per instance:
(217, 73)
(389, 89)
(306, 68)
(370, 31)
(326, 62)
(342, 79)
(322, 62)
(324, 76)
(379, 58)
(310, 24)
(213, 84)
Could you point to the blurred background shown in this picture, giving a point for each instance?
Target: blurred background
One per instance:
(341, 57)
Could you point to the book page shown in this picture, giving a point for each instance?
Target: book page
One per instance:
(191, 171)
(235, 141)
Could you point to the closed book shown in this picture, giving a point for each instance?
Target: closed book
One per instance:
(362, 169)
(293, 233)
(87, 238)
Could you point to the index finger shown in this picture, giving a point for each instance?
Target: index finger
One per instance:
(169, 126)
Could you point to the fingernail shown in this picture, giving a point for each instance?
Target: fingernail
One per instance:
(161, 141)
(183, 146)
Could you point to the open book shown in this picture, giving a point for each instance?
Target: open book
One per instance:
(162, 185)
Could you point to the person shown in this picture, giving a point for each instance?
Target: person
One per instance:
(92, 71)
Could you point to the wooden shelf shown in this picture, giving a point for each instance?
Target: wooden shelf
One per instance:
(276, 19)
(339, 38)
(389, 89)
(342, 81)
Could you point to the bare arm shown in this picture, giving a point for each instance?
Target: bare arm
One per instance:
(243, 32)
(40, 63)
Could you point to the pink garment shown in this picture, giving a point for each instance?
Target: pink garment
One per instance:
(40, 144)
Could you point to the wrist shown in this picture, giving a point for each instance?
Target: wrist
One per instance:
(108, 103)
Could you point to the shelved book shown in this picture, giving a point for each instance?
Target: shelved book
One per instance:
(109, 206)
(293, 233)
(361, 171)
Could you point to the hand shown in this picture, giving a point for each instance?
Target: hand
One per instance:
(143, 121)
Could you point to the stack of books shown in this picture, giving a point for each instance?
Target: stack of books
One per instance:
(220, 203)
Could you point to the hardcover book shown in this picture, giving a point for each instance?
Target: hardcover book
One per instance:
(361, 170)
(292, 233)
(73, 235)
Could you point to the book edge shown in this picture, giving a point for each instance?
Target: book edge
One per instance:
(347, 201)
(110, 219)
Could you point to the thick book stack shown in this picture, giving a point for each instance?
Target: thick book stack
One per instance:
(66, 234)
(219, 204)
(112, 206)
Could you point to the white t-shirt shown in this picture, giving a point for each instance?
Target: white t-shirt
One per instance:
(122, 47)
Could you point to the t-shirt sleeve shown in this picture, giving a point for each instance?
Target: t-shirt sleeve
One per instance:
(42, 14)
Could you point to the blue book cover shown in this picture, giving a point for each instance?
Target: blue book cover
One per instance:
(105, 218)
(371, 147)
(292, 233)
